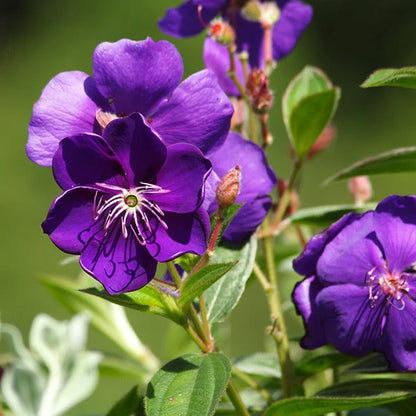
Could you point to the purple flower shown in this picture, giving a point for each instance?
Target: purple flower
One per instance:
(130, 77)
(258, 180)
(360, 288)
(128, 202)
(291, 18)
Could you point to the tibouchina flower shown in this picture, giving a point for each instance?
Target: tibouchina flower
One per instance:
(360, 288)
(257, 181)
(128, 202)
(288, 20)
(130, 77)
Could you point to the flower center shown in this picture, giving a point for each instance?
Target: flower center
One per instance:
(393, 286)
(130, 209)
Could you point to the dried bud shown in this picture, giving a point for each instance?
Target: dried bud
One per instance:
(103, 118)
(360, 188)
(222, 32)
(259, 91)
(229, 188)
(323, 141)
(267, 13)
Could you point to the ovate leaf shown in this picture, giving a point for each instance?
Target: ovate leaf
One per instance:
(223, 296)
(191, 385)
(260, 364)
(129, 405)
(394, 161)
(392, 77)
(198, 282)
(311, 366)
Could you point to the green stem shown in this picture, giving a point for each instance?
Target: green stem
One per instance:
(199, 327)
(236, 400)
(250, 382)
(204, 315)
(278, 330)
(261, 278)
(175, 274)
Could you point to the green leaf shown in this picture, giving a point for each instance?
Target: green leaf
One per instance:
(325, 215)
(309, 118)
(308, 106)
(120, 367)
(261, 364)
(345, 396)
(128, 405)
(311, 366)
(373, 363)
(392, 77)
(228, 215)
(109, 319)
(147, 299)
(394, 161)
(191, 385)
(198, 282)
(223, 296)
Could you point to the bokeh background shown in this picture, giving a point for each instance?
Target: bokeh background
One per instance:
(348, 39)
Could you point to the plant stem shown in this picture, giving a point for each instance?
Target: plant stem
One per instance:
(261, 278)
(203, 313)
(250, 382)
(278, 330)
(236, 400)
(175, 274)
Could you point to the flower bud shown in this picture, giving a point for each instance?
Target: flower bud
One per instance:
(222, 32)
(259, 91)
(103, 117)
(360, 188)
(323, 141)
(252, 11)
(266, 13)
(229, 188)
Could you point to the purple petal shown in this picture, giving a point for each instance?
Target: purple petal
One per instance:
(216, 58)
(135, 76)
(395, 227)
(139, 149)
(305, 264)
(198, 112)
(64, 109)
(350, 324)
(399, 336)
(186, 233)
(183, 175)
(70, 221)
(85, 159)
(351, 254)
(294, 19)
(257, 176)
(249, 37)
(304, 297)
(248, 218)
(121, 265)
(183, 21)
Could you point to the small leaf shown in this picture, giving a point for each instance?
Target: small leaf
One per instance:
(198, 282)
(223, 296)
(311, 366)
(326, 215)
(147, 299)
(191, 385)
(394, 161)
(392, 77)
(261, 364)
(310, 117)
(124, 368)
(128, 405)
(345, 396)
(373, 363)
(308, 105)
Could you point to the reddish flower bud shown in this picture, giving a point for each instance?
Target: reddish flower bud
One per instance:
(259, 91)
(323, 141)
(229, 188)
(222, 32)
(360, 188)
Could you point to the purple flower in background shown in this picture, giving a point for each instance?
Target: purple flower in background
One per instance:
(128, 202)
(360, 288)
(130, 77)
(258, 180)
(287, 18)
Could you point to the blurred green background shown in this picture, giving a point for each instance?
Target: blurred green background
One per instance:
(348, 39)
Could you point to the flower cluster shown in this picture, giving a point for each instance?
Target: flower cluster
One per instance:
(139, 155)
(264, 29)
(359, 293)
